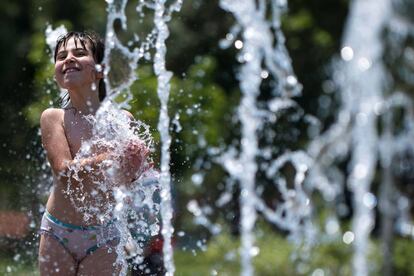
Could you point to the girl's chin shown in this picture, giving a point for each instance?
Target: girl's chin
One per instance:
(74, 84)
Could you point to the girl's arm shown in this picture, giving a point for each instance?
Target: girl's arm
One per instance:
(134, 157)
(57, 148)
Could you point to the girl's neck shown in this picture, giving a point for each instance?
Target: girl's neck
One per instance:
(85, 102)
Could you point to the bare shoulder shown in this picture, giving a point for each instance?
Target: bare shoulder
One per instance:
(51, 116)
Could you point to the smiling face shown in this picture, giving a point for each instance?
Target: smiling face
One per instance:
(75, 65)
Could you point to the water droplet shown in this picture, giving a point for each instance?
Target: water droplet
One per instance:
(238, 44)
(264, 74)
(247, 57)
(347, 53)
(348, 237)
(154, 229)
(378, 108)
(324, 101)
(16, 257)
(98, 67)
(318, 272)
(197, 179)
(369, 200)
(331, 226)
(193, 207)
(291, 80)
(360, 171)
(364, 64)
(254, 251)
(176, 123)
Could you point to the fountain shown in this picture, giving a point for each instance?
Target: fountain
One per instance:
(258, 37)
(366, 103)
(363, 81)
(363, 132)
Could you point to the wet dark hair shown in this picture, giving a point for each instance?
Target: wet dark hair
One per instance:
(98, 49)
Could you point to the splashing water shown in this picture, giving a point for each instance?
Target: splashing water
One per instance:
(52, 36)
(257, 48)
(110, 197)
(117, 56)
(112, 130)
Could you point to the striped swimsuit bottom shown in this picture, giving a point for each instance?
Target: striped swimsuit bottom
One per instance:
(79, 241)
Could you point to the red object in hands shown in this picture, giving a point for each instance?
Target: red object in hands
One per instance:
(156, 244)
(135, 154)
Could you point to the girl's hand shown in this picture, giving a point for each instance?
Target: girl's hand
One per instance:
(133, 161)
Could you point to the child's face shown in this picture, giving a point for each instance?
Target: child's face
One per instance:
(75, 66)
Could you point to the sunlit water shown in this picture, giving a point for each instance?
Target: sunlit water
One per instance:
(263, 54)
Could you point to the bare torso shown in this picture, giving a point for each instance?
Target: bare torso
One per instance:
(77, 129)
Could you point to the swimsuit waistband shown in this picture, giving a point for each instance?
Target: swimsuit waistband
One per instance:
(73, 226)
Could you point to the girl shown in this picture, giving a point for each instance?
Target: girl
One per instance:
(69, 244)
